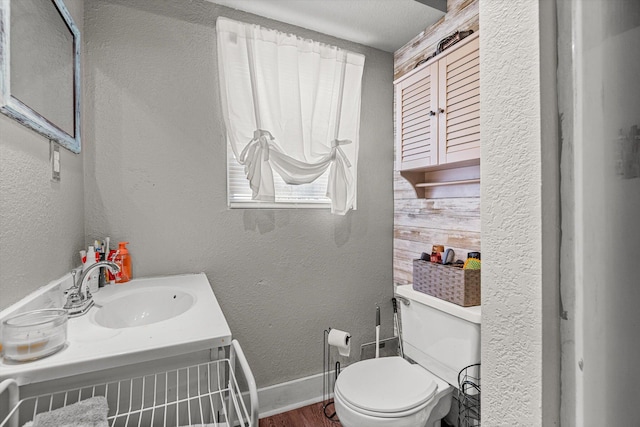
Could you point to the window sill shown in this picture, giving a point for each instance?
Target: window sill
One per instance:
(279, 205)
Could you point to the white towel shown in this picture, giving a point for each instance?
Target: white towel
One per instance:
(91, 412)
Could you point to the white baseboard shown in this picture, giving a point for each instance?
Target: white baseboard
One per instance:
(290, 395)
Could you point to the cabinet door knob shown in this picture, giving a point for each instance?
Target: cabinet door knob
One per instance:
(432, 113)
(441, 110)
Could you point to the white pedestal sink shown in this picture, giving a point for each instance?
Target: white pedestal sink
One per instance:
(134, 322)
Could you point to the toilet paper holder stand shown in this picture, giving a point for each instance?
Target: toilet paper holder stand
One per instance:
(327, 383)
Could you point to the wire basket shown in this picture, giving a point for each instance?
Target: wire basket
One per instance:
(469, 396)
(205, 394)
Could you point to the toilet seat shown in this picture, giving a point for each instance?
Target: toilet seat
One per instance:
(387, 387)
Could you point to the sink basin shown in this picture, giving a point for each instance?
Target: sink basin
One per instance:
(142, 307)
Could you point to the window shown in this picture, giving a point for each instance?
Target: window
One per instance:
(291, 109)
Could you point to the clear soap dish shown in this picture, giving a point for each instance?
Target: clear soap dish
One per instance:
(34, 334)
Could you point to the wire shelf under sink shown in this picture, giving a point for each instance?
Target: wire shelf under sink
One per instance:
(205, 394)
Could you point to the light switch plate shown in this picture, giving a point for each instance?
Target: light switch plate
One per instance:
(54, 158)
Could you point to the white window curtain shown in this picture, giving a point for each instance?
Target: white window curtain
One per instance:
(292, 106)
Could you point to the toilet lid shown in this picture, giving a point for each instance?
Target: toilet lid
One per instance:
(386, 385)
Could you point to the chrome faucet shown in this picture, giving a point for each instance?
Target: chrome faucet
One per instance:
(79, 301)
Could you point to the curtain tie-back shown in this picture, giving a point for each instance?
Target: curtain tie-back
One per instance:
(335, 146)
(259, 133)
(261, 138)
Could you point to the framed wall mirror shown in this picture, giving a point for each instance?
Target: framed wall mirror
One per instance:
(40, 68)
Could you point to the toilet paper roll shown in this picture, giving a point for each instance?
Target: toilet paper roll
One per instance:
(341, 340)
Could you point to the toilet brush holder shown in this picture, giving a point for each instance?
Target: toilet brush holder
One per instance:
(387, 347)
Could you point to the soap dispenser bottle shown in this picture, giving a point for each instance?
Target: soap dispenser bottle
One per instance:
(123, 259)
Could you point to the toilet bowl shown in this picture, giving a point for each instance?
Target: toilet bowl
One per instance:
(442, 338)
(390, 392)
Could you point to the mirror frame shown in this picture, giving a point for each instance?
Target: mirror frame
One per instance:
(16, 109)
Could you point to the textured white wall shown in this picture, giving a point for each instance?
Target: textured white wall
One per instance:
(156, 176)
(607, 208)
(41, 222)
(520, 356)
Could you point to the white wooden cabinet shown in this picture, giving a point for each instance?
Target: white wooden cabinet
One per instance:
(416, 119)
(438, 118)
(459, 104)
(438, 109)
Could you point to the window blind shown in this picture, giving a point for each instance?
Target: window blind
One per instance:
(312, 195)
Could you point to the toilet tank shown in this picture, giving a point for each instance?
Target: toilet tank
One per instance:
(440, 336)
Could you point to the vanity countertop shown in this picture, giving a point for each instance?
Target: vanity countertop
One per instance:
(92, 347)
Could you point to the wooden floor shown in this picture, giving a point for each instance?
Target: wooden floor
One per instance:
(308, 416)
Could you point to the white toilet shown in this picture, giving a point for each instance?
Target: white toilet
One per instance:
(442, 338)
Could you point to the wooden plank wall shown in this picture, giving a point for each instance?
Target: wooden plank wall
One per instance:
(461, 15)
(420, 223)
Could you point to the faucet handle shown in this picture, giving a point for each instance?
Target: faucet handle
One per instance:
(74, 286)
(74, 275)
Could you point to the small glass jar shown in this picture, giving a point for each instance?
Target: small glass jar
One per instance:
(34, 334)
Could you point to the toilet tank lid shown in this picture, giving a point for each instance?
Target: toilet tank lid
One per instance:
(470, 314)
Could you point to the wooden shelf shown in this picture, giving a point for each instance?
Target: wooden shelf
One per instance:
(437, 184)
(462, 180)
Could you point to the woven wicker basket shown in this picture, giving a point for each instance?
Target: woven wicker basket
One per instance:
(449, 283)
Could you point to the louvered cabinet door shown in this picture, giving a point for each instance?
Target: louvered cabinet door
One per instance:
(459, 104)
(416, 120)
